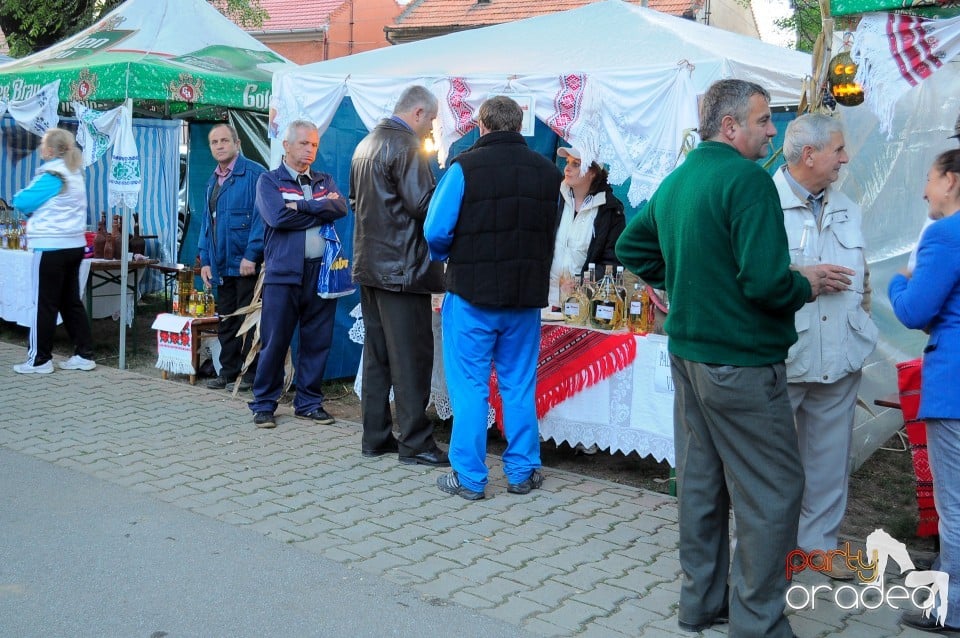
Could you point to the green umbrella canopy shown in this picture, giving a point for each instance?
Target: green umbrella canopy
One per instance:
(169, 55)
(927, 8)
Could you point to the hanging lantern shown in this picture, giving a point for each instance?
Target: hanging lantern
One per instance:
(843, 88)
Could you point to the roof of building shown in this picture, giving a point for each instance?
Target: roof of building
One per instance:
(476, 13)
(297, 15)
(676, 7)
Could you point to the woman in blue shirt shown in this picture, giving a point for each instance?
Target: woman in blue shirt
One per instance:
(928, 298)
(56, 205)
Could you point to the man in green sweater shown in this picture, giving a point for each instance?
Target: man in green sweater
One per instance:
(713, 237)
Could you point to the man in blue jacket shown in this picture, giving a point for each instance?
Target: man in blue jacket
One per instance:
(231, 248)
(294, 202)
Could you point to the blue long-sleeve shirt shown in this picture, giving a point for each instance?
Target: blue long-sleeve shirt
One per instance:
(443, 213)
(44, 187)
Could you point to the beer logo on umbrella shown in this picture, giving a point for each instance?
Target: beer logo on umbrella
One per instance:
(84, 86)
(186, 88)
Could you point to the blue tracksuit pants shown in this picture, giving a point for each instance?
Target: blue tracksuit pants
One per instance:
(473, 337)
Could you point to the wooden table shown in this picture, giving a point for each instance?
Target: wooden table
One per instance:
(199, 328)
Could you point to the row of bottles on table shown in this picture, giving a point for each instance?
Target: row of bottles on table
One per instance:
(188, 301)
(598, 304)
(13, 231)
(604, 305)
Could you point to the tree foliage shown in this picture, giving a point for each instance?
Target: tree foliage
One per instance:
(805, 23)
(34, 25)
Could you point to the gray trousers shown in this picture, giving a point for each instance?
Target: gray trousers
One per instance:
(824, 414)
(735, 445)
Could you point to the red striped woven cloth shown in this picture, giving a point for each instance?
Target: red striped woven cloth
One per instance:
(908, 381)
(571, 360)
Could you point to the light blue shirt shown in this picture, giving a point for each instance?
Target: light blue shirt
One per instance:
(443, 213)
(44, 187)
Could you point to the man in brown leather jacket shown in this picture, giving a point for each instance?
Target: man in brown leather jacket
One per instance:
(390, 189)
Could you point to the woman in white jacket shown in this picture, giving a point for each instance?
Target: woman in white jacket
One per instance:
(56, 205)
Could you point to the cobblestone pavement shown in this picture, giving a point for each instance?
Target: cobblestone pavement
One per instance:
(580, 557)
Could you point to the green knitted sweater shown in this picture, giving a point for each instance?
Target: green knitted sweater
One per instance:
(712, 236)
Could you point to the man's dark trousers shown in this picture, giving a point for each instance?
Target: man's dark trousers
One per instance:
(397, 351)
(235, 293)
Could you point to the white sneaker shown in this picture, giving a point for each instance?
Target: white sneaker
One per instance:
(28, 368)
(76, 362)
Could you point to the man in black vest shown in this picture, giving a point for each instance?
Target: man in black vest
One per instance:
(493, 219)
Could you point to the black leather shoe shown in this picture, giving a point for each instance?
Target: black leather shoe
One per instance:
(435, 458)
(722, 618)
(217, 383)
(390, 448)
(318, 416)
(244, 386)
(264, 420)
(917, 620)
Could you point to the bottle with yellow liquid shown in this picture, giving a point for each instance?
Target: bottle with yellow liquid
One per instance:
(606, 307)
(590, 281)
(209, 303)
(200, 304)
(639, 311)
(576, 306)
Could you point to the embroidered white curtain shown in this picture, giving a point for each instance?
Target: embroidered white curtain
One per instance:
(97, 132)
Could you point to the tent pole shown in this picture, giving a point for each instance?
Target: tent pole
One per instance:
(124, 277)
(124, 272)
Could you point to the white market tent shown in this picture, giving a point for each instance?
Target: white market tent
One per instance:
(623, 89)
(617, 80)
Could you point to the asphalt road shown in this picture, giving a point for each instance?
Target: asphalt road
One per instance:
(82, 557)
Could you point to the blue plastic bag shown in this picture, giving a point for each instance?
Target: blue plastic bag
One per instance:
(334, 280)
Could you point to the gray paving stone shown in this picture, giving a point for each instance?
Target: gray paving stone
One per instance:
(483, 569)
(543, 628)
(572, 615)
(380, 563)
(550, 593)
(580, 557)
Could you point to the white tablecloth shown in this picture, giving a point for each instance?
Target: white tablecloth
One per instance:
(630, 411)
(18, 289)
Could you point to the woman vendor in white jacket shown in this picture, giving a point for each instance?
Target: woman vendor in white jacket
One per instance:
(56, 203)
(590, 223)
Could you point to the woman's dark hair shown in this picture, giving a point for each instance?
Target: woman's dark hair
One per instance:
(948, 162)
(599, 182)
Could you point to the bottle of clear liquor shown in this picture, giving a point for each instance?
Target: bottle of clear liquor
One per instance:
(576, 306)
(806, 253)
(606, 307)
